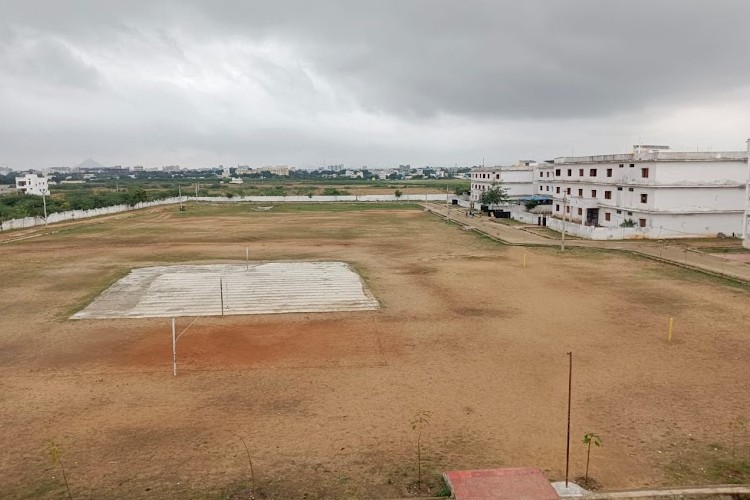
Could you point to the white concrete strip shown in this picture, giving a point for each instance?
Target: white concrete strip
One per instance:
(194, 290)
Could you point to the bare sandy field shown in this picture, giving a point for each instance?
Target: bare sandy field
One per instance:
(325, 401)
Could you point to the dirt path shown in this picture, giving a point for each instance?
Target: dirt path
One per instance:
(678, 252)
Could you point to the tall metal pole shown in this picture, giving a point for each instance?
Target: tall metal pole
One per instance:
(247, 259)
(570, 391)
(221, 292)
(179, 191)
(174, 350)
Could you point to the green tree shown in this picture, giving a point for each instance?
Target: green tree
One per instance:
(398, 194)
(496, 195)
(588, 439)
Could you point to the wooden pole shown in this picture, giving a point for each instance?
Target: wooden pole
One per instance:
(570, 391)
(671, 325)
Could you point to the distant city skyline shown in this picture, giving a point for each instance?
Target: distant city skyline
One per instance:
(425, 82)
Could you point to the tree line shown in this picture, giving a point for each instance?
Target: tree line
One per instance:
(17, 206)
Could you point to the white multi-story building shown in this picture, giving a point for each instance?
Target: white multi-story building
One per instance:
(32, 184)
(661, 193)
(517, 180)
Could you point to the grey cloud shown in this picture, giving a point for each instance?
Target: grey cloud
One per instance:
(502, 64)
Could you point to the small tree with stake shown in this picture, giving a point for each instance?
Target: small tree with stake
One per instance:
(54, 453)
(420, 421)
(588, 439)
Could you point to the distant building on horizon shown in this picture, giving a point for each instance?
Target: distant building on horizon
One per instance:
(32, 184)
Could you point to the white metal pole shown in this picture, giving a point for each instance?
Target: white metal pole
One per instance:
(746, 219)
(247, 259)
(565, 208)
(44, 202)
(174, 350)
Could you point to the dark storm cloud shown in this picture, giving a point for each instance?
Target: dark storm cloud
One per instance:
(521, 59)
(382, 74)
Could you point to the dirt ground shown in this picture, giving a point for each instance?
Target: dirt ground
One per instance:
(325, 401)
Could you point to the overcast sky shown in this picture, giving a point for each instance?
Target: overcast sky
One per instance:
(378, 83)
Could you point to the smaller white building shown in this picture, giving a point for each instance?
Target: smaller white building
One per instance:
(517, 180)
(32, 184)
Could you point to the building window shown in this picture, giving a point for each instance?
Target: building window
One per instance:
(619, 211)
(619, 189)
(580, 172)
(567, 191)
(580, 211)
(541, 174)
(497, 176)
(644, 198)
(557, 208)
(547, 174)
(609, 172)
(642, 222)
(592, 172)
(622, 165)
(547, 188)
(580, 192)
(557, 172)
(644, 173)
(607, 195)
(557, 190)
(567, 209)
(593, 193)
(630, 213)
(632, 165)
(570, 172)
(607, 216)
(630, 189)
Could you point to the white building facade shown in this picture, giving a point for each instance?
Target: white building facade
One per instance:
(32, 184)
(658, 193)
(517, 180)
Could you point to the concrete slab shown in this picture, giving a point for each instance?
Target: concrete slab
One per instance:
(522, 483)
(265, 288)
(572, 490)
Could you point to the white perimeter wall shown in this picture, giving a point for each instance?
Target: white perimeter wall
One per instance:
(82, 214)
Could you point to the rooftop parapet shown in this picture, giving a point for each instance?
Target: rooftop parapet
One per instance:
(655, 156)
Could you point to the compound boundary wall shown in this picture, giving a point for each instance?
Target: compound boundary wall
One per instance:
(96, 212)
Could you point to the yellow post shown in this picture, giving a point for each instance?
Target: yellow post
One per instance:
(524, 260)
(671, 324)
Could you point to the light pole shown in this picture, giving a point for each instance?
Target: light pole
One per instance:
(565, 208)
(45, 192)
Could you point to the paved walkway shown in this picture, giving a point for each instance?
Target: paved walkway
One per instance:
(677, 252)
